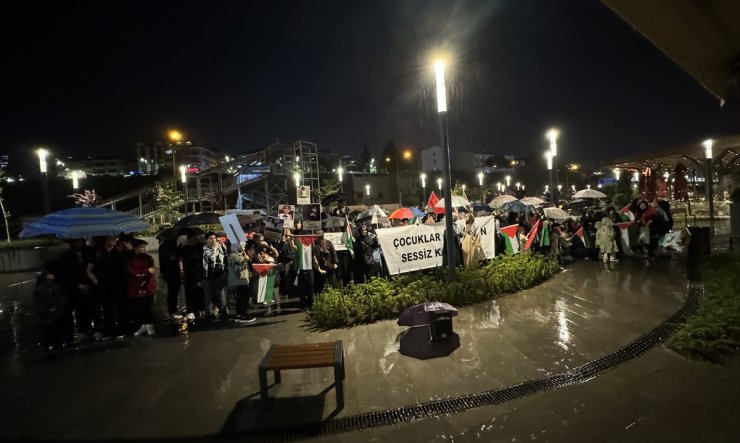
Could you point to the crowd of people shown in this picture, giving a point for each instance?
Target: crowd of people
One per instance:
(106, 290)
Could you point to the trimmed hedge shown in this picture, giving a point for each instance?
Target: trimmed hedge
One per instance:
(28, 243)
(384, 299)
(714, 329)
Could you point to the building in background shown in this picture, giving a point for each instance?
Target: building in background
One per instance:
(169, 155)
(94, 167)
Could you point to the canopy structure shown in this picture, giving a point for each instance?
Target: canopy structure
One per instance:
(702, 37)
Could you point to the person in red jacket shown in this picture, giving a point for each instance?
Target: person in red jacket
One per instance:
(142, 285)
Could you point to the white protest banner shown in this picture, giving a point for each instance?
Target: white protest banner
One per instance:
(336, 239)
(411, 248)
(233, 229)
(486, 228)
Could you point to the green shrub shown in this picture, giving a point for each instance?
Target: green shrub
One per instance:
(384, 299)
(714, 329)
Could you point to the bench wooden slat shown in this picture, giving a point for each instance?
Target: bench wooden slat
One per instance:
(300, 354)
(285, 361)
(292, 348)
(299, 365)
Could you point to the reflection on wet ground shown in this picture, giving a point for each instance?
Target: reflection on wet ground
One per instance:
(205, 382)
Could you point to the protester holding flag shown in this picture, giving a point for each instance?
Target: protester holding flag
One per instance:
(268, 277)
(471, 247)
(364, 249)
(328, 261)
(286, 249)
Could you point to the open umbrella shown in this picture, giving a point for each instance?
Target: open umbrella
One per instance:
(84, 222)
(204, 218)
(334, 197)
(249, 218)
(416, 343)
(176, 231)
(534, 201)
(419, 314)
(501, 200)
(589, 193)
(556, 214)
(373, 212)
(517, 206)
(457, 202)
(402, 213)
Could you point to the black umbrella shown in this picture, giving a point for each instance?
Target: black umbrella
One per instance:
(419, 314)
(176, 231)
(333, 197)
(249, 218)
(417, 343)
(204, 218)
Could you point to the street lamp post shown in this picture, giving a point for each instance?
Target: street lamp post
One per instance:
(423, 178)
(175, 136)
(548, 155)
(75, 180)
(42, 154)
(439, 184)
(439, 68)
(709, 181)
(340, 171)
(367, 195)
(184, 180)
(552, 135)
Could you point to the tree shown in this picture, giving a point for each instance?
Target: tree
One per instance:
(6, 214)
(390, 152)
(88, 199)
(329, 186)
(168, 200)
(623, 195)
(364, 159)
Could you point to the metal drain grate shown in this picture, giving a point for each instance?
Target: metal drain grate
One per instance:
(435, 408)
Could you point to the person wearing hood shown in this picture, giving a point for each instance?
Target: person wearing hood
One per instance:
(605, 239)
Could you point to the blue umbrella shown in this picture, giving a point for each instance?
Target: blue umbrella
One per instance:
(417, 212)
(84, 222)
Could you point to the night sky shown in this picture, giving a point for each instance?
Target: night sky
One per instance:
(93, 78)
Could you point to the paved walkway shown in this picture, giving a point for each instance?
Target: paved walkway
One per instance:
(206, 383)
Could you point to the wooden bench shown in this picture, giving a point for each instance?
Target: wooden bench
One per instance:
(313, 355)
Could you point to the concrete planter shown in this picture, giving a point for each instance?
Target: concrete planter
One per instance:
(31, 259)
(735, 219)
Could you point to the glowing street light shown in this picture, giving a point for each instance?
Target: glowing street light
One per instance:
(175, 135)
(340, 171)
(297, 178)
(439, 183)
(518, 186)
(184, 180)
(508, 180)
(367, 190)
(709, 174)
(552, 135)
(616, 173)
(423, 178)
(75, 180)
(498, 186)
(480, 179)
(43, 154)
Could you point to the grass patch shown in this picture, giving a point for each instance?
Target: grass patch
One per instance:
(384, 299)
(714, 329)
(29, 243)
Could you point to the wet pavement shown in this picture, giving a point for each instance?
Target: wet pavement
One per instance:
(205, 382)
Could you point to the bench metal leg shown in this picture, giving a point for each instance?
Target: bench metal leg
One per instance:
(277, 376)
(263, 384)
(339, 383)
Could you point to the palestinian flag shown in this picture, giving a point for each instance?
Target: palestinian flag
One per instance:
(625, 214)
(303, 252)
(545, 236)
(347, 237)
(624, 236)
(532, 235)
(509, 234)
(583, 235)
(266, 283)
